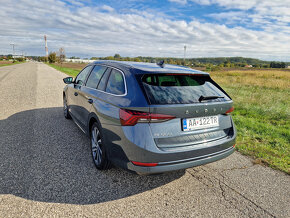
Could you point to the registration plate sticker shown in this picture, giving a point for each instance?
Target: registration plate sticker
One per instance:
(200, 123)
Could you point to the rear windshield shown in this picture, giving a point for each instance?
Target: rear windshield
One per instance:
(180, 89)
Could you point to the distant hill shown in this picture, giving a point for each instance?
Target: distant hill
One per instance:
(203, 62)
(220, 60)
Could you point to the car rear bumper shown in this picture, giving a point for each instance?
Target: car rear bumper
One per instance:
(125, 151)
(181, 164)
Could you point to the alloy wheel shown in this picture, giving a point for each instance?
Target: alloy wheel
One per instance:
(96, 146)
(64, 107)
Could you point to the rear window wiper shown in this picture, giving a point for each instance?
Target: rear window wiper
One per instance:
(202, 98)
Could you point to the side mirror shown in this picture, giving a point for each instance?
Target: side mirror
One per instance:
(68, 80)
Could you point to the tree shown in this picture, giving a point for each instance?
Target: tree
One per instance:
(117, 56)
(171, 61)
(109, 58)
(137, 60)
(19, 59)
(277, 64)
(283, 65)
(61, 55)
(227, 64)
(52, 57)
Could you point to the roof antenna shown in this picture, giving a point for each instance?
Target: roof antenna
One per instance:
(161, 63)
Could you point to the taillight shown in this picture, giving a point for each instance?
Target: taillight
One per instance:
(144, 164)
(131, 118)
(230, 110)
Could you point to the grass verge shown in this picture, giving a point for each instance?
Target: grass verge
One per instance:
(262, 115)
(69, 71)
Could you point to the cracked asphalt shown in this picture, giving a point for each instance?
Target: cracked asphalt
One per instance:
(46, 168)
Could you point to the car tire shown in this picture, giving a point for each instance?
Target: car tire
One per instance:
(98, 149)
(65, 109)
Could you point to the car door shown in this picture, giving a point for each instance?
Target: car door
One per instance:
(110, 89)
(74, 92)
(86, 95)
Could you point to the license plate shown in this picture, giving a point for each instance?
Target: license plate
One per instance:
(200, 123)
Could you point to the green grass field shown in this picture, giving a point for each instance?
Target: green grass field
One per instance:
(262, 116)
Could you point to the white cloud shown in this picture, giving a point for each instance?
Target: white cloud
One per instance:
(271, 15)
(238, 4)
(107, 8)
(183, 2)
(91, 31)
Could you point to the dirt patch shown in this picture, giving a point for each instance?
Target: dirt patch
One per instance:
(77, 66)
(5, 62)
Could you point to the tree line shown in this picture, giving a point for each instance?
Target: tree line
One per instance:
(54, 57)
(214, 63)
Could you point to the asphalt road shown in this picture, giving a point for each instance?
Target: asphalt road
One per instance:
(46, 168)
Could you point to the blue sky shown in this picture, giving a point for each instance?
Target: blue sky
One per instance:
(209, 28)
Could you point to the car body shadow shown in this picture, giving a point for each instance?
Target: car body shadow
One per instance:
(44, 157)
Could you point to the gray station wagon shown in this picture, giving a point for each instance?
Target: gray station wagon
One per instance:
(150, 118)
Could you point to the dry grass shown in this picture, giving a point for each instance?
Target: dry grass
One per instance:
(5, 62)
(262, 78)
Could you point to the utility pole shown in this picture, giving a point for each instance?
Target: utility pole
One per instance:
(46, 49)
(184, 54)
(13, 45)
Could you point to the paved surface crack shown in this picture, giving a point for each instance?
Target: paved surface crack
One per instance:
(237, 168)
(231, 196)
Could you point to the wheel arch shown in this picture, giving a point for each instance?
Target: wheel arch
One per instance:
(91, 120)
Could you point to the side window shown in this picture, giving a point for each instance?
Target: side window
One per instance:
(115, 83)
(95, 76)
(103, 82)
(80, 79)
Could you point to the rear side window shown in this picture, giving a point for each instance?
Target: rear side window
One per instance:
(180, 89)
(80, 79)
(116, 83)
(103, 82)
(95, 76)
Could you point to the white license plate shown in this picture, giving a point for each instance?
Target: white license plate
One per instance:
(200, 123)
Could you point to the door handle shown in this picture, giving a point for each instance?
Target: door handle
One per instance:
(76, 94)
(90, 100)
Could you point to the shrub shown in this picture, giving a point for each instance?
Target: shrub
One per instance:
(52, 57)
